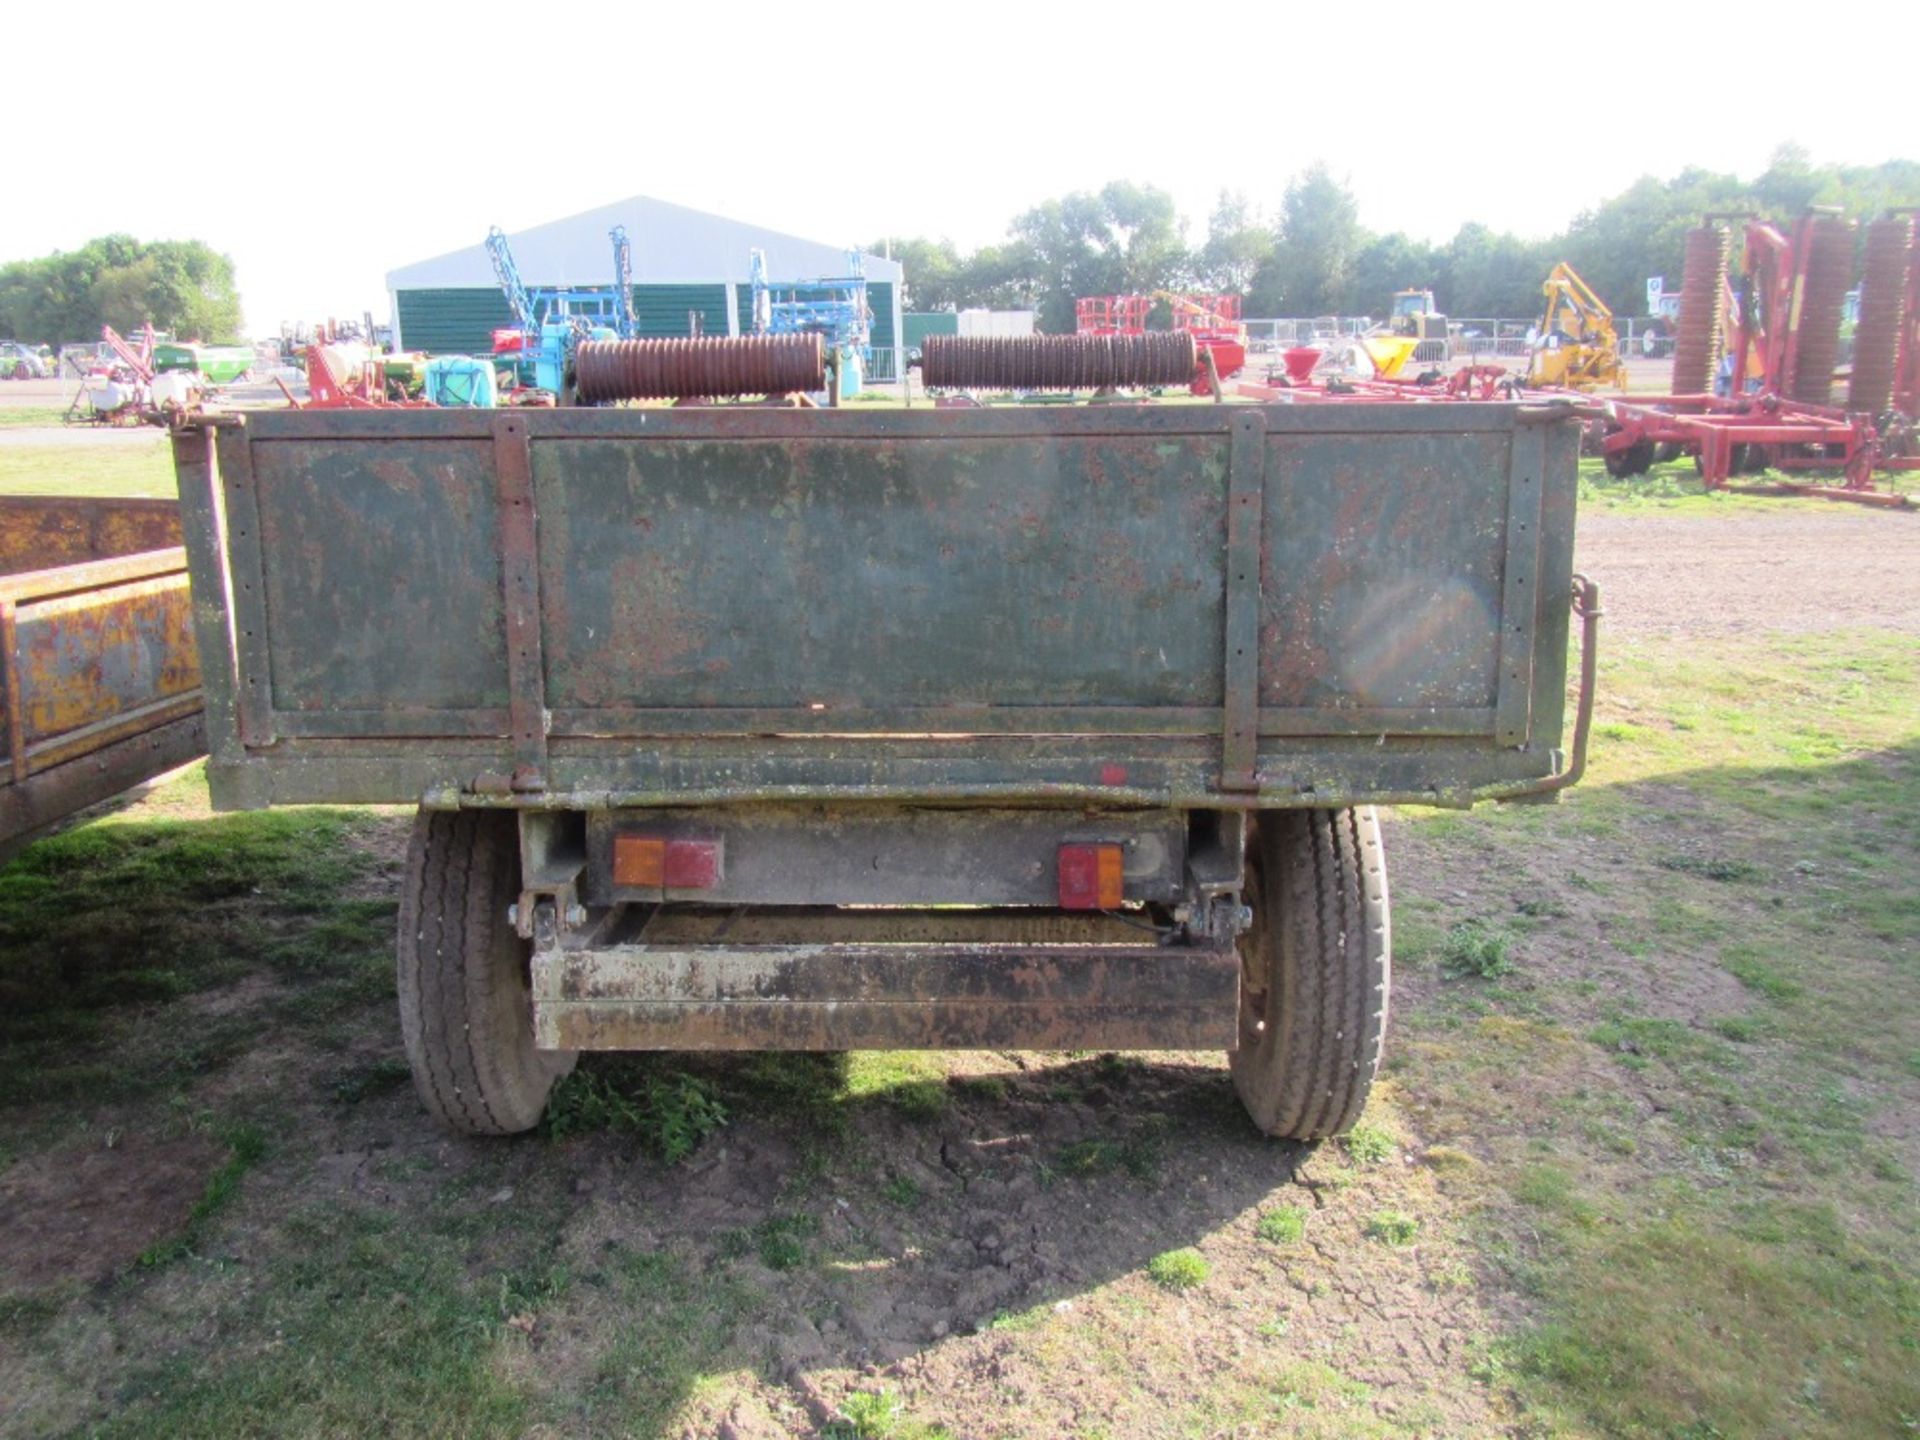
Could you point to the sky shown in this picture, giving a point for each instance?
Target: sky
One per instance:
(321, 146)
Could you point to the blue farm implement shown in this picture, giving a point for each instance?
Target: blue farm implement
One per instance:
(834, 307)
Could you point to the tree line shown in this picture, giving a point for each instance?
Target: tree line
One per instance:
(1309, 254)
(181, 286)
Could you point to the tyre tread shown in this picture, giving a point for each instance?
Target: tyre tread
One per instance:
(1326, 942)
(462, 1013)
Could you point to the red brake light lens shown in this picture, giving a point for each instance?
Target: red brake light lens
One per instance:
(1091, 877)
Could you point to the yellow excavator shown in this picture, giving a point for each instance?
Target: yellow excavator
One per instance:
(1576, 348)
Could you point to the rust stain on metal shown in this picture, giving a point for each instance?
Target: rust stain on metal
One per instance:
(807, 997)
(40, 532)
(655, 630)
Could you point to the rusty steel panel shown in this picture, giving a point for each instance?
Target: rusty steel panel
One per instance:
(826, 997)
(31, 807)
(101, 684)
(90, 657)
(874, 573)
(999, 604)
(93, 652)
(40, 532)
(381, 570)
(1381, 572)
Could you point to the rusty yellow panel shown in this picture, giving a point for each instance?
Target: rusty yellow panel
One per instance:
(39, 532)
(89, 657)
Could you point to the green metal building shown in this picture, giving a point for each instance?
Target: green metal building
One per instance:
(690, 275)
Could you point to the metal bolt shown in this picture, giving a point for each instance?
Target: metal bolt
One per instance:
(576, 915)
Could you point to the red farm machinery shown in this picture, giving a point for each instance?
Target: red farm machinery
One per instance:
(1756, 354)
(1219, 337)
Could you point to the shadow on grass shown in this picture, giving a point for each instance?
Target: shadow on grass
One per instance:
(1717, 1233)
(847, 1214)
(824, 1211)
(118, 940)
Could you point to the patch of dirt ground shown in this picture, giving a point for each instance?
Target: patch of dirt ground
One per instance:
(83, 1212)
(1816, 566)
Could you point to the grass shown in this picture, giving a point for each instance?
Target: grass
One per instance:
(16, 417)
(1392, 1227)
(880, 1415)
(246, 1145)
(913, 1082)
(1181, 1269)
(1718, 1241)
(1369, 1143)
(1675, 488)
(112, 930)
(1302, 1397)
(669, 1113)
(1138, 1150)
(780, 1241)
(123, 467)
(405, 1319)
(1670, 1141)
(1476, 949)
(1282, 1225)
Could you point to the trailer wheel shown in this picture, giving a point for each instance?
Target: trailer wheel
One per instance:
(466, 1011)
(1316, 967)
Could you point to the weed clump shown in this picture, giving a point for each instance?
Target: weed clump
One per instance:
(1711, 867)
(1369, 1144)
(780, 1241)
(1178, 1269)
(1283, 1225)
(1393, 1227)
(1474, 949)
(669, 1114)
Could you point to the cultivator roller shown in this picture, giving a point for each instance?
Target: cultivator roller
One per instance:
(706, 368)
(1058, 362)
(1883, 314)
(1703, 309)
(1817, 334)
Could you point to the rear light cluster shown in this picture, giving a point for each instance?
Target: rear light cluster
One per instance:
(654, 862)
(1091, 877)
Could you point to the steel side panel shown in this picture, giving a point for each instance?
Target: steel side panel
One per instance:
(1001, 572)
(32, 806)
(381, 564)
(1382, 570)
(90, 657)
(38, 532)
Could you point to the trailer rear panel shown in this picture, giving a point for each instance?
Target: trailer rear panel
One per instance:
(1180, 605)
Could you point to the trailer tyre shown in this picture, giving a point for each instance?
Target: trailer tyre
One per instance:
(466, 1009)
(1316, 969)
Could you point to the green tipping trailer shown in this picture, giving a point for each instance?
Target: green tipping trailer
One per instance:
(1024, 727)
